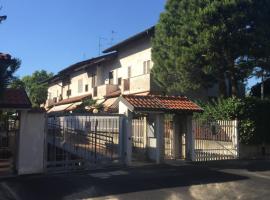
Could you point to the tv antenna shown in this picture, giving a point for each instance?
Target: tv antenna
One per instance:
(102, 39)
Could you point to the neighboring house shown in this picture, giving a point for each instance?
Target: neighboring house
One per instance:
(256, 90)
(124, 69)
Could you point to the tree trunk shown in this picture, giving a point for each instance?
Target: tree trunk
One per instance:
(223, 88)
(234, 86)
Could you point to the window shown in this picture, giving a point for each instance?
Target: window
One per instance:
(146, 67)
(94, 80)
(86, 88)
(69, 92)
(129, 72)
(111, 77)
(80, 86)
(119, 82)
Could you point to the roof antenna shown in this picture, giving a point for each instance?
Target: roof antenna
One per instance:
(100, 39)
(112, 37)
(84, 56)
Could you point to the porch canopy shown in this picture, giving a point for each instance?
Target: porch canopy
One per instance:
(158, 103)
(15, 99)
(69, 104)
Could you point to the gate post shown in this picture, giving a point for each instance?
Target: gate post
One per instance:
(177, 148)
(190, 138)
(236, 132)
(159, 129)
(127, 138)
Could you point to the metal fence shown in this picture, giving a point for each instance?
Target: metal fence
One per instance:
(83, 141)
(215, 140)
(139, 137)
(168, 137)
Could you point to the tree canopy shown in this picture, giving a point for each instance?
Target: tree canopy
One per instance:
(8, 66)
(34, 86)
(200, 43)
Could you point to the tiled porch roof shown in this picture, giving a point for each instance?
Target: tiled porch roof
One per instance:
(160, 103)
(15, 98)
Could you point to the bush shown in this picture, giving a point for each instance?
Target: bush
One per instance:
(252, 113)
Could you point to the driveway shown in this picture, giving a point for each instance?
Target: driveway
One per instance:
(215, 180)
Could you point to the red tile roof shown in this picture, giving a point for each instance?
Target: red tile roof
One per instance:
(15, 98)
(161, 103)
(73, 99)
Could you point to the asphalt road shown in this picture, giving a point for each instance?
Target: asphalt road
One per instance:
(217, 180)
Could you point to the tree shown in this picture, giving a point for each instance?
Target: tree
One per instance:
(8, 66)
(35, 88)
(199, 43)
(17, 84)
(2, 18)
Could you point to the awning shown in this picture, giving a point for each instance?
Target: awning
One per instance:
(60, 108)
(73, 106)
(111, 104)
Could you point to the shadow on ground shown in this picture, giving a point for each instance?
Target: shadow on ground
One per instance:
(122, 181)
(249, 165)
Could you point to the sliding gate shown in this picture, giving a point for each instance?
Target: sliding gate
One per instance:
(82, 142)
(215, 140)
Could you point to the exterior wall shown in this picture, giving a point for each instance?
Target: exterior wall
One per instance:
(54, 91)
(75, 77)
(31, 143)
(133, 56)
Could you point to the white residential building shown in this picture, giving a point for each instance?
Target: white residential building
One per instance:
(124, 69)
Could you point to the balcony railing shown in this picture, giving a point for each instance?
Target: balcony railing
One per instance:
(104, 90)
(136, 84)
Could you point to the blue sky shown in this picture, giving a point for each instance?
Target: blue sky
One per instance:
(53, 34)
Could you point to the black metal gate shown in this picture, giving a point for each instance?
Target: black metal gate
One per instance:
(82, 142)
(9, 126)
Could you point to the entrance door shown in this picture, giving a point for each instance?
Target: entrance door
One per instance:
(9, 125)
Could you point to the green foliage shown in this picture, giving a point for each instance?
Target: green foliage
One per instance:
(17, 84)
(89, 104)
(252, 113)
(199, 43)
(7, 69)
(35, 88)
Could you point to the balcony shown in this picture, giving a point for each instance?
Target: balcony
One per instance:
(136, 84)
(104, 90)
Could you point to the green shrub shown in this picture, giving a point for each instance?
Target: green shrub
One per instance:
(252, 113)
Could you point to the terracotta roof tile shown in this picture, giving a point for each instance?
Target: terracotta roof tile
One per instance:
(15, 98)
(165, 103)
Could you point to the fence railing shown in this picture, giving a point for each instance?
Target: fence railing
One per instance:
(82, 141)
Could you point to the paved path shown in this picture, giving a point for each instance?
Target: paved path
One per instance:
(219, 180)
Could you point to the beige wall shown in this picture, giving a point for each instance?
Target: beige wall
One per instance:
(132, 56)
(31, 147)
